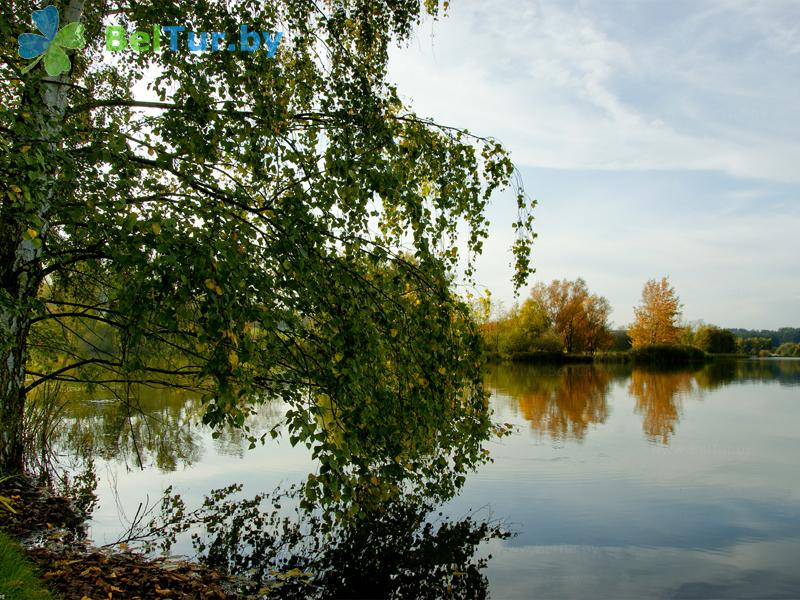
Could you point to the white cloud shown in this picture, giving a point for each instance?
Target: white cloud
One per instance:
(560, 92)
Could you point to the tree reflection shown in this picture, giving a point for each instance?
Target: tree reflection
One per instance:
(718, 374)
(402, 549)
(146, 428)
(659, 399)
(558, 402)
(724, 372)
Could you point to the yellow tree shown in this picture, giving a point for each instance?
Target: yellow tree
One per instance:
(657, 316)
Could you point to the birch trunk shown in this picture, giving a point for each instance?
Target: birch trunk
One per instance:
(20, 269)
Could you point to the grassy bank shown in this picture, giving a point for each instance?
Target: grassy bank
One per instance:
(18, 579)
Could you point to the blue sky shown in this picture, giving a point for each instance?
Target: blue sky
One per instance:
(659, 138)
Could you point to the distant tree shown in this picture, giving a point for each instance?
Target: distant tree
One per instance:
(533, 319)
(656, 318)
(788, 334)
(714, 340)
(519, 331)
(620, 340)
(788, 349)
(777, 337)
(578, 317)
(753, 345)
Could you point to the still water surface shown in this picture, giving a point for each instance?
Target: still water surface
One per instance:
(619, 482)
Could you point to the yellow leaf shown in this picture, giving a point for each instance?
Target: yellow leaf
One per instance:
(213, 286)
(156, 228)
(15, 188)
(233, 358)
(393, 332)
(442, 371)
(25, 149)
(338, 357)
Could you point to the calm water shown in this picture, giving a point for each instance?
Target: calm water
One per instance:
(619, 483)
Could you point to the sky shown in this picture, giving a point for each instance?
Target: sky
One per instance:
(659, 138)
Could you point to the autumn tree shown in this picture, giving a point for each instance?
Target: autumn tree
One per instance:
(578, 317)
(253, 227)
(656, 318)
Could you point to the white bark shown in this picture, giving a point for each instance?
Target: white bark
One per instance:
(21, 281)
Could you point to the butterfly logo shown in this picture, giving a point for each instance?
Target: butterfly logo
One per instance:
(51, 45)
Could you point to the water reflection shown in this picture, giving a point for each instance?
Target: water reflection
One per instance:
(658, 399)
(399, 550)
(600, 513)
(363, 513)
(784, 371)
(149, 428)
(562, 402)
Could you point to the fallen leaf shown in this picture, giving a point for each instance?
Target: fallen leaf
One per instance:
(91, 572)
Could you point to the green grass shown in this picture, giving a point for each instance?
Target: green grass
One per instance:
(18, 580)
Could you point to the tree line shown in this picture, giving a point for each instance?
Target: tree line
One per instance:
(565, 317)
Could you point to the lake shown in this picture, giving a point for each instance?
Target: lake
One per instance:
(617, 482)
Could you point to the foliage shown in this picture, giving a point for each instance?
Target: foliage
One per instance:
(18, 578)
(561, 316)
(667, 355)
(579, 318)
(621, 340)
(520, 331)
(788, 349)
(656, 317)
(753, 345)
(776, 337)
(257, 229)
(714, 340)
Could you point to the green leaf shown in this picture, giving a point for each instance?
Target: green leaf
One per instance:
(56, 61)
(70, 36)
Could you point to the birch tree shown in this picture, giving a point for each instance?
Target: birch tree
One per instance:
(252, 226)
